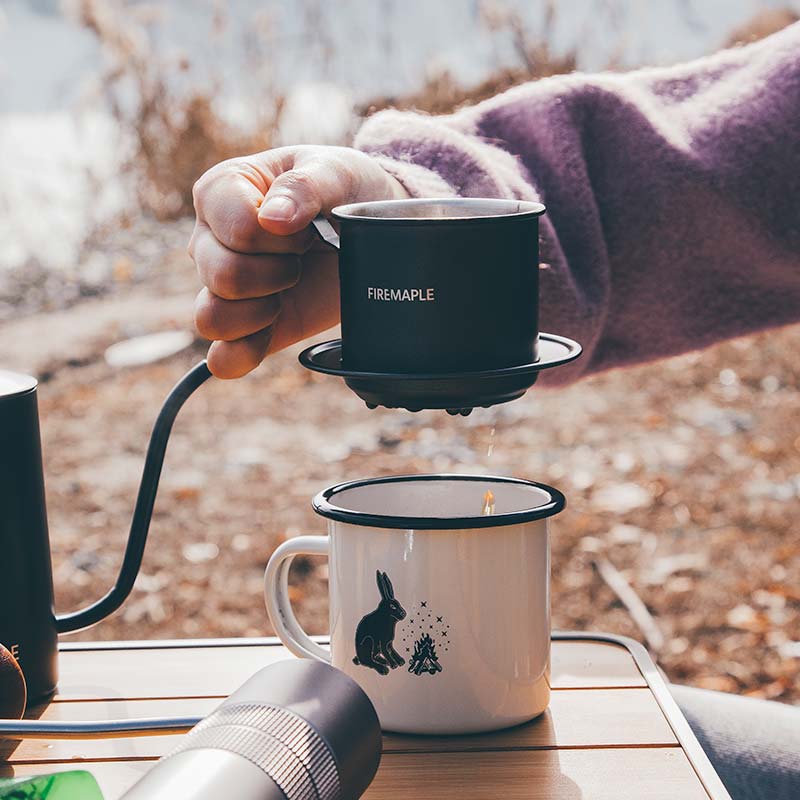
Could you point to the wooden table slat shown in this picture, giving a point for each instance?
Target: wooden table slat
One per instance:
(652, 773)
(655, 774)
(593, 665)
(177, 672)
(619, 717)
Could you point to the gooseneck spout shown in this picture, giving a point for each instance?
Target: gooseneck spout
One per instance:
(140, 524)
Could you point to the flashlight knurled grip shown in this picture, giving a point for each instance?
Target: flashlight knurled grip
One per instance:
(282, 744)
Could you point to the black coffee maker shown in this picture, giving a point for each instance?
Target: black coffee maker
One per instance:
(439, 308)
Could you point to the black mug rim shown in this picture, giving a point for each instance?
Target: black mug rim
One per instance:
(323, 505)
(26, 384)
(355, 212)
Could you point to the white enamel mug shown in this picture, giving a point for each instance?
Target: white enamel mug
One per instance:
(440, 613)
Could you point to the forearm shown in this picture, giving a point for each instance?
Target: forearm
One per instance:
(672, 218)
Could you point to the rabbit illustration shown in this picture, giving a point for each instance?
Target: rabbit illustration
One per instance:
(375, 632)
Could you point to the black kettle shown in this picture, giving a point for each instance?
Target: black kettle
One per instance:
(29, 627)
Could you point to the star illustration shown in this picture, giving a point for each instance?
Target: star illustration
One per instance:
(438, 619)
(424, 604)
(444, 633)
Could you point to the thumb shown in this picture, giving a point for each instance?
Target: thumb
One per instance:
(298, 195)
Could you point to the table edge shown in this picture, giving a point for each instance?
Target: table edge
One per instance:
(699, 761)
(703, 768)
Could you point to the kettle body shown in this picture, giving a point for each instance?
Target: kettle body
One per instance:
(27, 619)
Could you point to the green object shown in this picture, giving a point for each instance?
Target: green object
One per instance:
(75, 785)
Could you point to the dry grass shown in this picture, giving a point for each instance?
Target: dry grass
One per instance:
(174, 137)
(442, 93)
(762, 24)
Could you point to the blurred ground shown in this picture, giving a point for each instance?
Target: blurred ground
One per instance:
(684, 474)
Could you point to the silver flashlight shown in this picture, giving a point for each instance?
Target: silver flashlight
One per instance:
(297, 730)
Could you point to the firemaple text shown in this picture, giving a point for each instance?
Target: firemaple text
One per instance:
(400, 295)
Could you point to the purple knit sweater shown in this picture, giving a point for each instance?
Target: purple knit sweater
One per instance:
(672, 194)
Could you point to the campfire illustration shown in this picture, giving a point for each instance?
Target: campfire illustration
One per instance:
(424, 658)
(425, 630)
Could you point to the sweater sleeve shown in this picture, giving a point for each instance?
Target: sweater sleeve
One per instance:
(672, 194)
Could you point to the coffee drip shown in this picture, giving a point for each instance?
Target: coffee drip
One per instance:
(488, 504)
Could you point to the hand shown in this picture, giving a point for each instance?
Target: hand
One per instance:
(270, 280)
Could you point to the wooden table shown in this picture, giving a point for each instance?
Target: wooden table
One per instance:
(612, 729)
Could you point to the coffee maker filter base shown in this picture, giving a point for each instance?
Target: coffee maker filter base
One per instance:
(458, 393)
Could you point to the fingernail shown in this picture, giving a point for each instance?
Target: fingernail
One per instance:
(279, 208)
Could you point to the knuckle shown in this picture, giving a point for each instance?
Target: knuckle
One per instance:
(226, 280)
(300, 182)
(201, 186)
(198, 188)
(240, 232)
(209, 316)
(248, 170)
(344, 171)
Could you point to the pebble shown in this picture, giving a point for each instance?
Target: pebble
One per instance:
(200, 552)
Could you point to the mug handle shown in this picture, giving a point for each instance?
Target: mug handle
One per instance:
(276, 596)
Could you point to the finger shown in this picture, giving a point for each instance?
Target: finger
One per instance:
(311, 306)
(315, 185)
(227, 199)
(308, 308)
(238, 276)
(226, 320)
(229, 360)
